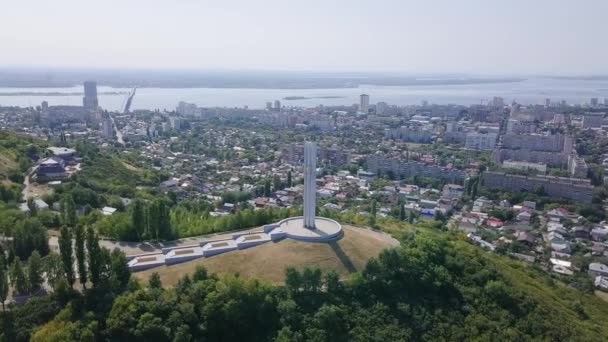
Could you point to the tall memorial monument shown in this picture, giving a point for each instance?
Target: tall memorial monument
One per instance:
(309, 227)
(310, 186)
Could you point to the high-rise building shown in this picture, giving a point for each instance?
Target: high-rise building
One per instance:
(176, 123)
(547, 102)
(107, 128)
(310, 184)
(498, 101)
(364, 103)
(594, 102)
(381, 108)
(184, 108)
(89, 101)
(593, 120)
(268, 105)
(277, 105)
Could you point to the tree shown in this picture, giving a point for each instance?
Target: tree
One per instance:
(372, 214)
(138, 218)
(200, 274)
(68, 211)
(81, 258)
(30, 235)
(31, 205)
(277, 184)
(67, 258)
(267, 191)
(402, 213)
(18, 277)
(439, 216)
(293, 280)
(289, 181)
(373, 209)
(159, 221)
(94, 258)
(34, 271)
(3, 281)
(154, 282)
(53, 267)
(120, 273)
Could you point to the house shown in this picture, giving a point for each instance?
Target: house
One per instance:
(601, 283)
(581, 232)
(228, 207)
(562, 270)
(52, 168)
(556, 227)
(561, 247)
(599, 234)
(169, 184)
(564, 263)
(108, 211)
(558, 214)
(40, 204)
(493, 222)
(525, 238)
(260, 202)
(467, 227)
(66, 154)
(529, 205)
(554, 237)
(524, 257)
(324, 193)
(597, 249)
(453, 191)
(482, 204)
(427, 204)
(598, 269)
(331, 206)
(524, 217)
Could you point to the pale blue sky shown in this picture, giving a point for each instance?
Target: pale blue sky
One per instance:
(469, 36)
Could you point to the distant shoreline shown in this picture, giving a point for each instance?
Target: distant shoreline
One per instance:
(261, 83)
(293, 98)
(34, 93)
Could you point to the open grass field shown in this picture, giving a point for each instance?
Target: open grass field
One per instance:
(268, 261)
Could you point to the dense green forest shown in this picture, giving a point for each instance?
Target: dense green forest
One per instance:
(434, 287)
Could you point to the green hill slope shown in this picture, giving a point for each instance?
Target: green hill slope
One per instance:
(434, 287)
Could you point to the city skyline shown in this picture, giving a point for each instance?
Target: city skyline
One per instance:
(509, 37)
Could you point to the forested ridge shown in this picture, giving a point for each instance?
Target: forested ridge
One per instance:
(434, 287)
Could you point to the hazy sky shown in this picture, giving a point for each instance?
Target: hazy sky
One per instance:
(470, 36)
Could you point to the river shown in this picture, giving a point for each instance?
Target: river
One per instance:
(530, 91)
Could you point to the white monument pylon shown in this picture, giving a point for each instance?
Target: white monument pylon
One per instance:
(310, 186)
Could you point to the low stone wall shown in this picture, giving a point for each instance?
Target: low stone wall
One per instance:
(272, 232)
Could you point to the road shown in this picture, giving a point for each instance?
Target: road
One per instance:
(118, 132)
(27, 186)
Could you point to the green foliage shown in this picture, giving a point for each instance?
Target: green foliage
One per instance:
(29, 235)
(119, 272)
(155, 282)
(22, 320)
(34, 271)
(433, 287)
(68, 211)
(94, 257)
(188, 223)
(67, 254)
(79, 234)
(503, 214)
(19, 278)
